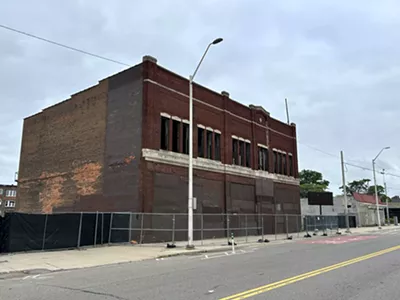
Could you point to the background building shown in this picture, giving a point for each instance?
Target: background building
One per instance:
(362, 210)
(122, 145)
(8, 194)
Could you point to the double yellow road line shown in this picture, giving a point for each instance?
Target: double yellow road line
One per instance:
(278, 284)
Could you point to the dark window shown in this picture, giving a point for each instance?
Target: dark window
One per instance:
(209, 144)
(164, 133)
(284, 164)
(217, 146)
(290, 165)
(248, 155)
(241, 153)
(185, 138)
(200, 142)
(176, 132)
(279, 163)
(275, 162)
(263, 162)
(235, 154)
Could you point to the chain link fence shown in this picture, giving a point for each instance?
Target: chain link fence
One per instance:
(144, 228)
(25, 232)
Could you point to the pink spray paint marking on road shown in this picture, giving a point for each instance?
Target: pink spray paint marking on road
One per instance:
(341, 240)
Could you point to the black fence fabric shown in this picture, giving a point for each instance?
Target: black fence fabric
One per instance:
(29, 232)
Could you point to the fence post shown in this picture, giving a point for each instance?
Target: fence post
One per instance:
(202, 229)
(109, 232)
(80, 230)
(44, 231)
(245, 224)
(287, 225)
(141, 229)
(173, 229)
(130, 227)
(227, 227)
(95, 229)
(102, 228)
(275, 224)
(262, 227)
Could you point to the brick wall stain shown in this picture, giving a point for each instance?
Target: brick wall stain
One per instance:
(86, 179)
(50, 196)
(62, 152)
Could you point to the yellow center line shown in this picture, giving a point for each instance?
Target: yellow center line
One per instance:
(278, 284)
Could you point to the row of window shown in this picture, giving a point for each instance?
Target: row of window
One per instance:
(175, 137)
(241, 153)
(9, 193)
(9, 203)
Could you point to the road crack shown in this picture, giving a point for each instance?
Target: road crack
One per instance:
(86, 291)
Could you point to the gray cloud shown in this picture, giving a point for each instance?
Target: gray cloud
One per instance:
(336, 62)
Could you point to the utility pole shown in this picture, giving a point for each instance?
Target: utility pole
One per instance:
(346, 207)
(386, 193)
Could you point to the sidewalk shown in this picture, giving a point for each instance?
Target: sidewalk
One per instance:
(41, 262)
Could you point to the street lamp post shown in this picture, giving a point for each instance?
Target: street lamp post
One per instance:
(190, 181)
(376, 189)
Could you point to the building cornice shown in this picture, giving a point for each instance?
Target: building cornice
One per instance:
(182, 160)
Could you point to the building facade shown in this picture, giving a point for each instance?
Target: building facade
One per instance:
(122, 145)
(8, 194)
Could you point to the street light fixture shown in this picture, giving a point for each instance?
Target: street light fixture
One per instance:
(376, 189)
(190, 181)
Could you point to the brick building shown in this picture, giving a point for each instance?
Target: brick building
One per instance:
(122, 145)
(8, 194)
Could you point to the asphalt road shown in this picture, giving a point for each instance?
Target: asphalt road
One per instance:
(357, 269)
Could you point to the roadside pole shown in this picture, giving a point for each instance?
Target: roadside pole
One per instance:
(346, 208)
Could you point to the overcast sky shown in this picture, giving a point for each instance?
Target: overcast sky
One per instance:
(337, 62)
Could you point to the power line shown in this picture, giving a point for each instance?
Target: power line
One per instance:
(63, 45)
(346, 162)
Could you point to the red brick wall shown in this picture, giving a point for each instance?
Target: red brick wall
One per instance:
(226, 115)
(218, 112)
(62, 152)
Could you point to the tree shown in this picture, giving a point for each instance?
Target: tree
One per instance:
(381, 192)
(312, 181)
(357, 186)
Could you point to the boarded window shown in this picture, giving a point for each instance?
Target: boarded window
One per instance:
(164, 133)
(209, 137)
(217, 146)
(241, 153)
(248, 155)
(263, 159)
(279, 163)
(176, 132)
(185, 138)
(290, 165)
(235, 152)
(275, 162)
(200, 142)
(284, 164)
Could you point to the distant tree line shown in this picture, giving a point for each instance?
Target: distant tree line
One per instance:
(313, 181)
